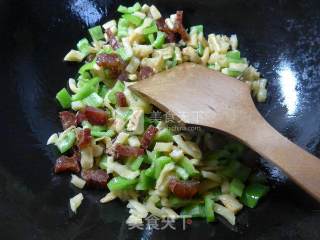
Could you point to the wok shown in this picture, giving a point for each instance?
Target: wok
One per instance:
(280, 37)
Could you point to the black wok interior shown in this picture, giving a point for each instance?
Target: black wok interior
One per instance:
(280, 37)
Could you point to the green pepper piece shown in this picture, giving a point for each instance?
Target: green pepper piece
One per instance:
(83, 46)
(236, 187)
(188, 166)
(133, 19)
(93, 100)
(121, 183)
(96, 33)
(66, 142)
(103, 162)
(208, 209)
(235, 54)
(160, 39)
(118, 87)
(103, 91)
(151, 29)
(194, 210)
(200, 49)
(145, 182)
(123, 25)
(122, 53)
(198, 29)
(164, 135)
(122, 9)
(151, 38)
(86, 89)
(160, 163)
(135, 165)
(64, 98)
(253, 193)
(176, 202)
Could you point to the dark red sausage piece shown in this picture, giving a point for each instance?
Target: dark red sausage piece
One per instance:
(112, 39)
(179, 28)
(184, 189)
(145, 72)
(68, 119)
(163, 27)
(95, 178)
(84, 138)
(112, 62)
(121, 99)
(80, 116)
(127, 151)
(67, 164)
(95, 116)
(148, 136)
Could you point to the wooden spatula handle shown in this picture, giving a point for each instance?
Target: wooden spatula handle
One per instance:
(302, 167)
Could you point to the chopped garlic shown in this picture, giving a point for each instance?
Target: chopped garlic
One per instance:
(78, 182)
(74, 56)
(75, 202)
(155, 12)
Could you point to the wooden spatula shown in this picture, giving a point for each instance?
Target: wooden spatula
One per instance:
(198, 95)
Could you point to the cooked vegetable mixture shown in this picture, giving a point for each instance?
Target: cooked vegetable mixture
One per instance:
(111, 142)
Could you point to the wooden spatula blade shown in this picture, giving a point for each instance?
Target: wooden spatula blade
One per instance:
(195, 94)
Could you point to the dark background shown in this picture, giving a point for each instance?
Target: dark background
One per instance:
(280, 37)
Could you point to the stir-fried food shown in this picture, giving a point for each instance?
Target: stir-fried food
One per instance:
(111, 141)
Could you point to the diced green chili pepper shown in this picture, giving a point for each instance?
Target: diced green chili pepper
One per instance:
(164, 135)
(103, 162)
(66, 142)
(208, 209)
(123, 25)
(182, 173)
(86, 90)
(83, 46)
(145, 182)
(234, 60)
(122, 53)
(194, 210)
(235, 54)
(176, 202)
(86, 67)
(93, 100)
(198, 29)
(152, 156)
(64, 98)
(148, 121)
(253, 193)
(200, 49)
(110, 133)
(233, 73)
(230, 169)
(188, 166)
(214, 193)
(134, 8)
(236, 187)
(118, 87)
(103, 91)
(236, 149)
(151, 29)
(151, 38)
(133, 19)
(96, 33)
(160, 39)
(121, 183)
(160, 163)
(151, 171)
(135, 165)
